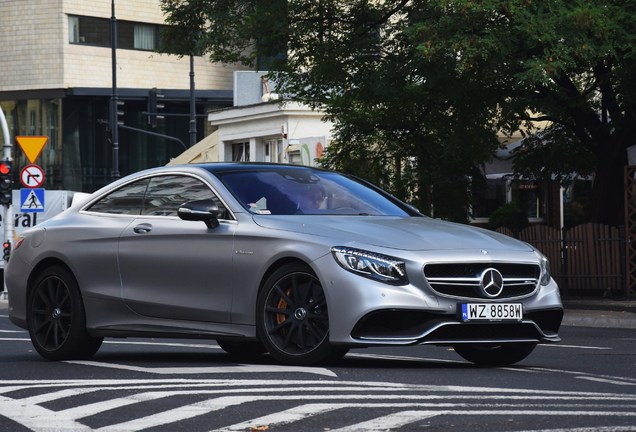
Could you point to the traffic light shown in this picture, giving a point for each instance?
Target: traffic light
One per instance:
(154, 105)
(6, 251)
(6, 182)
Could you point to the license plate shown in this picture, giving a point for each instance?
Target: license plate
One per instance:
(492, 311)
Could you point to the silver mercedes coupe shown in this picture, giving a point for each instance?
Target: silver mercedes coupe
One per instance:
(299, 262)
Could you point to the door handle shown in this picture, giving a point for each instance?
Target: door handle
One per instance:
(143, 228)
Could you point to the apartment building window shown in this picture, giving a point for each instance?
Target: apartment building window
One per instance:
(144, 37)
(84, 30)
(272, 150)
(241, 152)
(528, 195)
(490, 197)
(89, 31)
(73, 29)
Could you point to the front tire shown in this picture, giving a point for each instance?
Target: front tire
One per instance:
(495, 355)
(56, 318)
(292, 317)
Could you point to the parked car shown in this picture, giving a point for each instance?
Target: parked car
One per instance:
(300, 262)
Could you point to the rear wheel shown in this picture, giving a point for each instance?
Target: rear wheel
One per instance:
(292, 317)
(56, 317)
(495, 355)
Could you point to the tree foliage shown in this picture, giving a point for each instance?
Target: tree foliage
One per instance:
(570, 62)
(418, 90)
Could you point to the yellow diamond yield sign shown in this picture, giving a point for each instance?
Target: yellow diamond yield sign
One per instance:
(32, 145)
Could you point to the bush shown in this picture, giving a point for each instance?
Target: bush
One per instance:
(509, 216)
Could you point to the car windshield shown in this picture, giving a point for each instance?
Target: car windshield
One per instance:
(288, 191)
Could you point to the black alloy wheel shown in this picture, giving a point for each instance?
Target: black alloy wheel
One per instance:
(293, 319)
(56, 317)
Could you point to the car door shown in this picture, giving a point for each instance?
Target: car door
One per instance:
(95, 246)
(176, 269)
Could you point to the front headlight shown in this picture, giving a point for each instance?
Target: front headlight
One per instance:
(546, 274)
(375, 266)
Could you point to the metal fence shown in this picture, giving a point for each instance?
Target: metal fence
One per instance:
(586, 260)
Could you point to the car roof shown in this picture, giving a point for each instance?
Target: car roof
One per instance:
(218, 167)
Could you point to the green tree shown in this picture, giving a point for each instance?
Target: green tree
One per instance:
(418, 90)
(571, 62)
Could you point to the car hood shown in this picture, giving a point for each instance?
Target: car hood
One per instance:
(405, 233)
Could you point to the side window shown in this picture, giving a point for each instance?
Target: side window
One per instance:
(127, 200)
(167, 193)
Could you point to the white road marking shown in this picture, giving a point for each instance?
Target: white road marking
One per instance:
(37, 418)
(608, 381)
(408, 403)
(588, 429)
(403, 418)
(283, 417)
(101, 406)
(582, 375)
(400, 419)
(394, 420)
(179, 413)
(575, 347)
(402, 358)
(48, 397)
(256, 368)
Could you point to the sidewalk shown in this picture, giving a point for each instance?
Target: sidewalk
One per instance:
(600, 312)
(579, 312)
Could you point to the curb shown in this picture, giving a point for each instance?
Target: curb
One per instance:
(614, 305)
(599, 319)
(600, 312)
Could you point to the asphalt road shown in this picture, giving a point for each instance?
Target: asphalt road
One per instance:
(586, 383)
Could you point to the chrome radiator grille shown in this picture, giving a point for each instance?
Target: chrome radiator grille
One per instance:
(467, 280)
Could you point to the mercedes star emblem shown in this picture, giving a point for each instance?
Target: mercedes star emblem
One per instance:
(491, 283)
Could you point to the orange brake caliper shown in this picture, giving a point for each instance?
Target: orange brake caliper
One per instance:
(281, 317)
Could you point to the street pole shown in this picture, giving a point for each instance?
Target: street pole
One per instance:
(114, 129)
(193, 122)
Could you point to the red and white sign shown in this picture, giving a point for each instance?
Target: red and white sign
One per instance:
(32, 176)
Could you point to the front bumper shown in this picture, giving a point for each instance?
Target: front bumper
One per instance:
(407, 327)
(364, 312)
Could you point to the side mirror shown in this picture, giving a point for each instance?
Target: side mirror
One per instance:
(201, 210)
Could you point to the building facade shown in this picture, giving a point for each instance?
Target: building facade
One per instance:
(260, 127)
(57, 81)
(271, 132)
